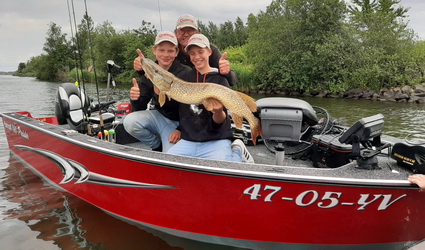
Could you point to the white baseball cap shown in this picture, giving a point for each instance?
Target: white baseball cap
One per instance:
(166, 36)
(187, 21)
(198, 40)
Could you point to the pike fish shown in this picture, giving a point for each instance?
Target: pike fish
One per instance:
(238, 104)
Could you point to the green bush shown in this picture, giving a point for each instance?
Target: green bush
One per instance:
(246, 78)
(236, 54)
(126, 77)
(83, 75)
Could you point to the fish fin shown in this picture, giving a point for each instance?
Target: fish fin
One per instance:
(256, 131)
(161, 99)
(249, 101)
(237, 120)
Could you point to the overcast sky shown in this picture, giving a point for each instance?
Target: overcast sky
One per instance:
(24, 23)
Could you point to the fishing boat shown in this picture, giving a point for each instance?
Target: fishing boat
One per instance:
(314, 184)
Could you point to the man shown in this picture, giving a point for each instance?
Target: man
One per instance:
(187, 26)
(157, 127)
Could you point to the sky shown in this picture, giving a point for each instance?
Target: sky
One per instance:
(24, 23)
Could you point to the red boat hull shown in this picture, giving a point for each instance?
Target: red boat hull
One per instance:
(229, 207)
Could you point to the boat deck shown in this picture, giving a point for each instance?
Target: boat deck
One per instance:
(265, 162)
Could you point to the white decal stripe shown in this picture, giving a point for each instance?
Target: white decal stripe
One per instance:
(69, 167)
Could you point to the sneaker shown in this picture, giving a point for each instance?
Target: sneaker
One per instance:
(246, 156)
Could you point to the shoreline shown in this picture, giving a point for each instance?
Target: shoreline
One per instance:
(405, 94)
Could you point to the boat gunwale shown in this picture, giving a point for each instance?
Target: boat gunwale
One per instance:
(234, 169)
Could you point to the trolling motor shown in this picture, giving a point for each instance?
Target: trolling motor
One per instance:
(410, 154)
(111, 64)
(367, 133)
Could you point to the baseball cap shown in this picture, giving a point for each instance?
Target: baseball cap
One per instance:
(198, 40)
(166, 36)
(187, 21)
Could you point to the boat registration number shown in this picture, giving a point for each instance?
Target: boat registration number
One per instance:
(267, 193)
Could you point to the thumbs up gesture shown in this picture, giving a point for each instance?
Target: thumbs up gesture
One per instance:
(137, 63)
(224, 65)
(134, 91)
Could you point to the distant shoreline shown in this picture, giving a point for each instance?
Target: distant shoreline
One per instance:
(7, 73)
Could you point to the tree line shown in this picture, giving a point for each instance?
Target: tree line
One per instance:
(301, 45)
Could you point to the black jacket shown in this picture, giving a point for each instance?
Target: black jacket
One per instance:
(196, 123)
(170, 109)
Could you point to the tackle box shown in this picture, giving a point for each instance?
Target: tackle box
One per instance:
(328, 152)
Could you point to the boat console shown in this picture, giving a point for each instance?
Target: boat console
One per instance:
(284, 119)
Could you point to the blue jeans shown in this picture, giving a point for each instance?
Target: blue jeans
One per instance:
(151, 128)
(217, 150)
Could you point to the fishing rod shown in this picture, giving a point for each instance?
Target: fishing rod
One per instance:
(77, 44)
(160, 19)
(79, 67)
(91, 53)
(77, 77)
(101, 123)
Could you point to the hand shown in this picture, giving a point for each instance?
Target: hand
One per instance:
(137, 64)
(135, 91)
(418, 179)
(175, 136)
(224, 65)
(213, 105)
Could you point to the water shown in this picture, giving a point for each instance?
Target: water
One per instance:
(34, 215)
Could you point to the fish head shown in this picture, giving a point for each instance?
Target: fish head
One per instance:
(158, 76)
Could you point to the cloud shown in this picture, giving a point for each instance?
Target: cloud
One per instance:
(24, 23)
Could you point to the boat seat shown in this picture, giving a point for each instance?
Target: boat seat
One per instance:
(71, 106)
(285, 119)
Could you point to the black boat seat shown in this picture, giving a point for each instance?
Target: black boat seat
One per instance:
(72, 107)
(284, 119)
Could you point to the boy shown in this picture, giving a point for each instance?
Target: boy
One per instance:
(206, 131)
(156, 128)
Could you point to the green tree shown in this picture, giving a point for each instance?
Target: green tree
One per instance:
(84, 41)
(146, 33)
(299, 44)
(226, 37)
(21, 67)
(385, 42)
(55, 64)
(107, 45)
(241, 34)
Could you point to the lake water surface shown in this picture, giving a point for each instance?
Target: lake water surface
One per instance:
(34, 215)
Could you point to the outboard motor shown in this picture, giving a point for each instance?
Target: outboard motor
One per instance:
(284, 119)
(71, 106)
